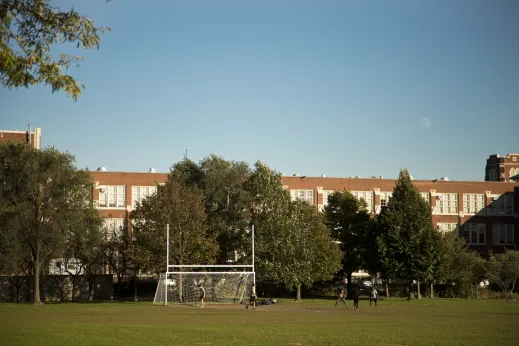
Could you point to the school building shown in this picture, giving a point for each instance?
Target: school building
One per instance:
(487, 212)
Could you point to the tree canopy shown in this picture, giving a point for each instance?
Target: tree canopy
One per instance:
(349, 223)
(407, 241)
(30, 30)
(45, 199)
(293, 245)
(182, 207)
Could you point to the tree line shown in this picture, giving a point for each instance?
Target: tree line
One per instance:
(47, 212)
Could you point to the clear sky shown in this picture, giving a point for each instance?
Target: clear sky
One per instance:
(341, 88)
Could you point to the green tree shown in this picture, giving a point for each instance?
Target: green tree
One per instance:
(226, 204)
(30, 30)
(461, 266)
(182, 207)
(83, 245)
(503, 269)
(45, 197)
(406, 228)
(293, 245)
(226, 200)
(349, 223)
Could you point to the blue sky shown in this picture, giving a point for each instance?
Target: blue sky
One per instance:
(341, 88)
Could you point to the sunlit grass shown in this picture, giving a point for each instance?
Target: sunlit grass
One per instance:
(395, 321)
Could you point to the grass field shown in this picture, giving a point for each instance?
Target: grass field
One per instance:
(312, 322)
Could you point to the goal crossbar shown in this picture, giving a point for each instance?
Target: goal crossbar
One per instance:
(210, 266)
(205, 273)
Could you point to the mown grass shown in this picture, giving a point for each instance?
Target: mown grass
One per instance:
(312, 322)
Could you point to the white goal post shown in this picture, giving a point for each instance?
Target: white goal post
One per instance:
(226, 283)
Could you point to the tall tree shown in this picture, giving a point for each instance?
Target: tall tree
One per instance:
(406, 229)
(45, 196)
(182, 207)
(226, 204)
(349, 223)
(293, 245)
(29, 31)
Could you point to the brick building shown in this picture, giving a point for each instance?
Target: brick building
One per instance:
(502, 168)
(487, 211)
(30, 137)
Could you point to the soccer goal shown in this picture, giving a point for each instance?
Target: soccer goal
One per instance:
(183, 284)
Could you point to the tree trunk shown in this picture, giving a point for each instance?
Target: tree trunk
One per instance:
(431, 289)
(36, 298)
(387, 288)
(348, 285)
(298, 294)
(135, 299)
(418, 293)
(411, 295)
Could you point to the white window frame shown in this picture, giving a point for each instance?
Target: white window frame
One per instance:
(304, 195)
(112, 197)
(502, 234)
(447, 204)
(113, 225)
(446, 227)
(426, 197)
(474, 233)
(366, 196)
(385, 196)
(501, 204)
(326, 194)
(474, 203)
(141, 192)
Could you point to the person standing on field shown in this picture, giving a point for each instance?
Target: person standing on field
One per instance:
(356, 296)
(341, 297)
(202, 295)
(252, 300)
(373, 297)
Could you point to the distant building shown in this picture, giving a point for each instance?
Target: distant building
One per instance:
(502, 168)
(32, 138)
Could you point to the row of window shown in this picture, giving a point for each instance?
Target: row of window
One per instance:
(446, 203)
(114, 196)
(475, 233)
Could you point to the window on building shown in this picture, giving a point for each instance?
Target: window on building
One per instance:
(141, 192)
(503, 234)
(326, 193)
(304, 195)
(113, 227)
(366, 196)
(475, 233)
(473, 203)
(447, 227)
(384, 198)
(426, 197)
(111, 196)
(501, 204)
(446, 203)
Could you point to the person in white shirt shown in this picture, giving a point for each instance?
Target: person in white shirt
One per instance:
(373, 297)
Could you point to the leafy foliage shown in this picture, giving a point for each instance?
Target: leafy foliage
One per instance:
(45, 198)
(349, 223)
(226, 201)
(182, 207)
(29, 30)
(407, 242)
(503, 269)
(292, 243)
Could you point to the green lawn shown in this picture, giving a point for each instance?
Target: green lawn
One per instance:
(312, 322)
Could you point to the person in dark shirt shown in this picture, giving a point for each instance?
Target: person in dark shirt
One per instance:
(356, 296)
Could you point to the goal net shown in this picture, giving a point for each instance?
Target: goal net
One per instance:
(228, 283)
(220, 287)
